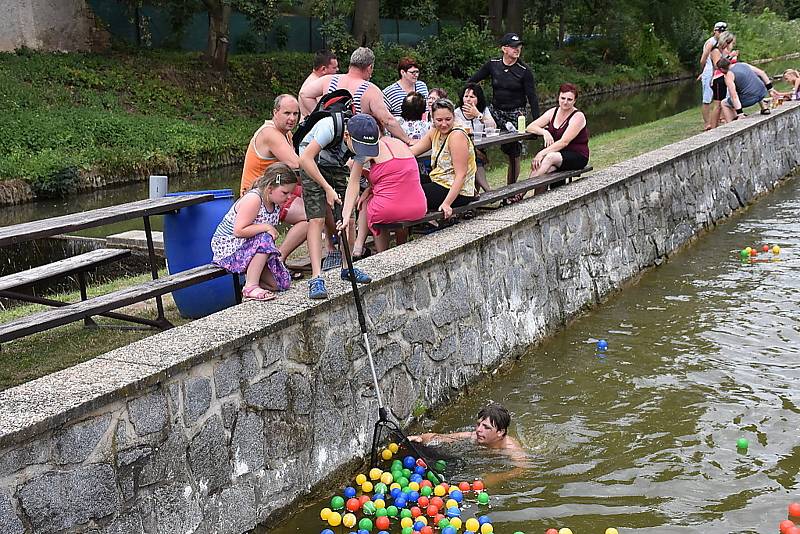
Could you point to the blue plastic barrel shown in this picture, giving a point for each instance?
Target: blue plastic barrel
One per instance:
(187, 244)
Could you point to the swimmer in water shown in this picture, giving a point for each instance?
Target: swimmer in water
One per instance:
(491, 431)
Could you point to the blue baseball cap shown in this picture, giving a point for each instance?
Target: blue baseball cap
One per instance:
(364, 133)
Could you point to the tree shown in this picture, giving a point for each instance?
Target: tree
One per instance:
(366, 22)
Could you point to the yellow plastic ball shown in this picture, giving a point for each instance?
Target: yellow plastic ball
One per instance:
(387, 478)
(776, 250)
(472, 524)
(439, 491)
(366, 487)
(386, 454)
(361, 478)
(564, 530)
(349, 520)
(450, 504)
(748, 249)
(335, 519)
(423, 519)
(414, 486)
(612, 530)
(394, 447)
(379, 503)
(406, 522)
(375, 473)
(487, 528)
(455, 522)
(324, 513)
(393, 485)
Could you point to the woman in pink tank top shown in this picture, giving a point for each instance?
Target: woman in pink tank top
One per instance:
(394, 193)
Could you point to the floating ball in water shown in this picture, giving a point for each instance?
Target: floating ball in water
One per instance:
(423, 501)
(349, 492)
(464, 486)
(369, 508)
(335, 519)
(776, 250)
(453, 511)
(443, 522)
(753, 252)
(455, 522)
(564, 531)
(477, 485)
(407, 530)
(487, 528)
(484, 519)
(349, 520)
(449, 530)
(326, 531)
(387, 478)
(785, 525)
(365, 524)
(375, 473)
(472, 524)
(400, 501)
(324, 513)
(602, 345)
(337, 502)
(380, 488)
(551, 531)
(456, 495)
(426, 530)
(409, 462)
(394, 447)
(353, 504)
(483, 497)
(748, 249)
(451, 503)
(366, 487)
(794, 509)
(744, 254)
(360, 479)
(386, 454)
(406, 522)
(432, 510)
(765, 248)
(742, 443)
(611, 530)
(382, 523)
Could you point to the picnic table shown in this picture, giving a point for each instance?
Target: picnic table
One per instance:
(63, 313)
(500, 138)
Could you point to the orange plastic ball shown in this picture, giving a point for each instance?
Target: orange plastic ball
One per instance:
(794, 509)
(382, 522)
(477, 485)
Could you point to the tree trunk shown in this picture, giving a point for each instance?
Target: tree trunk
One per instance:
(514, 16)
(219, 16)
(366, 23)
(496, 17)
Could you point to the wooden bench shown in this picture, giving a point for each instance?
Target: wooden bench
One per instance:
(491, 197)
(102, 305)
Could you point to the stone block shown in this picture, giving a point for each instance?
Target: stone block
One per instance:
(149, 413)
(171, 509)
(196, 398)
(233, 511)
(229, 412)
(126, 523)
(208, 456)
(300, 394)
(226, 376)
(9, 521)
(269, 393)
(166, 462)
(31, 453)
(75, 443)
(247, 444)
(58, 501)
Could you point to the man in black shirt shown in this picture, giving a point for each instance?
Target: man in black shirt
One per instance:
(512, 85)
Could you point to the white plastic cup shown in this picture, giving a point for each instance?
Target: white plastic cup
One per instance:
(158, 186)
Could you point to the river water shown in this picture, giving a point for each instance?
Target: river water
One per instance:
(703, 350)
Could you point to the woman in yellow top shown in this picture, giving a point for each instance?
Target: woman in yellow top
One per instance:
(453, 164)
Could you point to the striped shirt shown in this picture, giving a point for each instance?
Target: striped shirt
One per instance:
(394, 95)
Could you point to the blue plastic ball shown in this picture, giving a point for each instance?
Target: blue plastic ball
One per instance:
(409, 462)
(419, 470)
(326, 531)
(453, 511)
(602, 344)
(484, 519)
(349, 492)
(379, 496)
(395, 492)
(449, 530)
(363, 531)
(415, 478)
(456, 495)
(400, 502)
(413, 496)
(418, 525)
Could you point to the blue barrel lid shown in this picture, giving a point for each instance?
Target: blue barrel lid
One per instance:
(218, 193)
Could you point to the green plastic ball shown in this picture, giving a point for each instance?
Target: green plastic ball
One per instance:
(483, 497)
(426, 491)
(365, 524)
(337, 502)
(380, 487)
(744, 254)
(368, 508)
(392, 511)
(742, 443)
(407, 530)
(443, 523)
(405, 512)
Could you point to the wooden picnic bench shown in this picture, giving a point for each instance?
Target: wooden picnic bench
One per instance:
(62, 312)
(491, 197)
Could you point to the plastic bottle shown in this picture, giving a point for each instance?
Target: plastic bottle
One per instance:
(521, 124)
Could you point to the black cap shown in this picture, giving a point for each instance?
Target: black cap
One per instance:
(364, 133)
(511, 39)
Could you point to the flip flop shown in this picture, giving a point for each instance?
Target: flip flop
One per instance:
(257, 293)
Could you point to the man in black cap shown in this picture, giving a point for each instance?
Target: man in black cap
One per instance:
(512, 85)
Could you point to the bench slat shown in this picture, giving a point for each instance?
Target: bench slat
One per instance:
(51, 318)
(65, 267)
(491, 197)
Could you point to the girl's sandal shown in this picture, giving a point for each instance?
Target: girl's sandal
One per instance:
(257, 293)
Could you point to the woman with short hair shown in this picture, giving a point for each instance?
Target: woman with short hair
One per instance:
(408, 70)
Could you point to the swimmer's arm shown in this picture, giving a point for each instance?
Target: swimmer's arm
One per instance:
(440, 438)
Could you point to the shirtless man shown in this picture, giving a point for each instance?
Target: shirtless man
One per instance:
(272, 143)
(325, 63)
(367, 96)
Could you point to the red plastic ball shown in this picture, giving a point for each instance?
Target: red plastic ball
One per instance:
(382, 522)
(438, 518)
(415, 512)
(753, 252)
(551, 531)
(432, 510)
(478, 486)
(785, 525)
(794, 509)
(353, 504)
(423, 501)
(446, 486)
(765, 248)
(793, 530)
(427, 529)
(363, 499)
(464, 486)
(425, 483)
(437, 502)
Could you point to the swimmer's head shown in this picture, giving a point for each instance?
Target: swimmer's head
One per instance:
(492, 425)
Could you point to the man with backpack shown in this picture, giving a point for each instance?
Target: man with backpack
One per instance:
(367, 97)
(327, 139)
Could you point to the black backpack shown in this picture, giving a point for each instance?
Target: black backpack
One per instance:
(338, 104)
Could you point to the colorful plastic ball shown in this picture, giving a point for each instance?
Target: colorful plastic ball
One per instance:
(416, 511)
(453, 511)
(484, 519)
(439, 466)
(349, 492)
(785, 525)
(765, 248)
(362, 499)
(360, 479)
(748, 249)
(326, 531)
(753, 252)
(413, 496)
(386, 454)
(349, 520)
(742, 443)
(403, 481)
(449, 530)
(406, 522)
(392, 511)
(382, 523)
(383, 532)
(473, 525)
(324, 513)
(432, 510)
(365, 524)
(456, 495)
(382, 512)
(776, 250)
(439, 491)
(418, 525)
(380, 504)
(415, 479)
(426, 530)
(437, 502)
(793, 530)
(602, 344)
(393, 447)
(368, 508)
(375, 473)
(551, 531)
(409, 462)
(387, 478)
(450, 504)
(423, 501)
(477, 485)
(612, 530)
(744, 254)
(366, 487)
(483, 497)
(564, 530)
(405, 512)
(395, 492)
(381, 488)
(353, 504)
(337, 502)
(426, 490)
(794, 509)
(464, 486)
(455, 522)
(335, 519)
(487, 528)
(407, 530)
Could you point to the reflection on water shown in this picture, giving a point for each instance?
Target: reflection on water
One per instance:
(702, 351)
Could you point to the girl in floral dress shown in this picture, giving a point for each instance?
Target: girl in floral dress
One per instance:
(244, 241)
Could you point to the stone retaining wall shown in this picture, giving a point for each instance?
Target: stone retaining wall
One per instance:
(222, 423)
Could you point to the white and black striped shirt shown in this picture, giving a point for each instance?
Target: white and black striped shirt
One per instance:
(394, 95)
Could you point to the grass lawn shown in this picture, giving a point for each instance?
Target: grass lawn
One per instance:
(39, 354)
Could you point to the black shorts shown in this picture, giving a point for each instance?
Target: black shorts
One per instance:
(719, 91)
(572, 161)
(435, 195)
